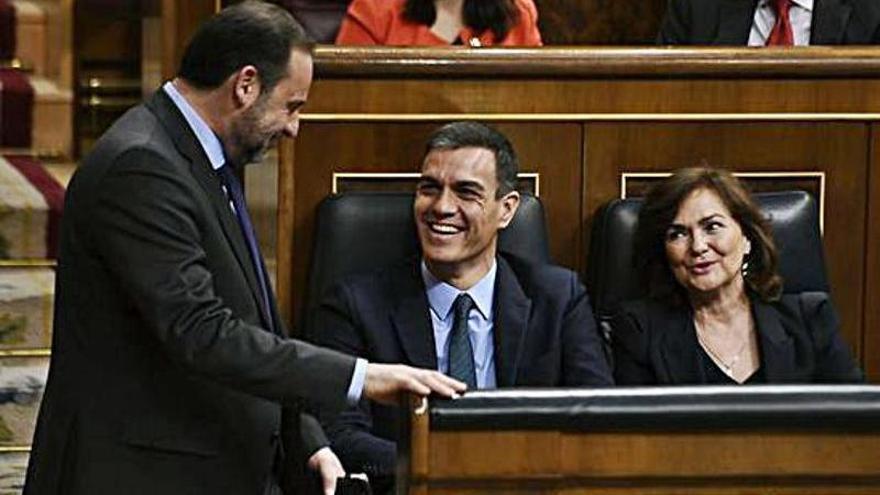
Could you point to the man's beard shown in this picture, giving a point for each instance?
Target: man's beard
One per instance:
(250, 139)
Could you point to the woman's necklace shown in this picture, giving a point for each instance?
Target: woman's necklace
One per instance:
(726, 366)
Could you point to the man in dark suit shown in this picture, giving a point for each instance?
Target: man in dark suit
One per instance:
(489, 320)
(756, 23)
(169, 361)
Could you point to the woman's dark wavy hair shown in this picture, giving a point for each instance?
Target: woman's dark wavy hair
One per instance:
(497, 16)
(659, 210)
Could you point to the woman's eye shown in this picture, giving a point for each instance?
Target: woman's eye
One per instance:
(674, 235)
(713, 226)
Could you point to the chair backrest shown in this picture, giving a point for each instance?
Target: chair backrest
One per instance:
(320, 18)
(358, 231)
(794, 218)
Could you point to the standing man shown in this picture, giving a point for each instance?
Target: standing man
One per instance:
(486, 318)
(771, 22)
(169, 364)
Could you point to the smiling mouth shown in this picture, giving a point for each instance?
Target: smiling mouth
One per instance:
(444, 229)
(702, 268)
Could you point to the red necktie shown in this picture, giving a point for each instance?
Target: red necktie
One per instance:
(781, 35)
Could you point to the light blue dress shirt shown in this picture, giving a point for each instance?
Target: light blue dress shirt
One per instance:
(441, 297)
(214, 150)
(800, 16)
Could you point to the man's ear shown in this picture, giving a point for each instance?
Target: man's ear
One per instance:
(246, 86)
(509, 204)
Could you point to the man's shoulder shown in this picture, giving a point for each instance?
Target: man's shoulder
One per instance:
(139, 129)
(381, 282)
(538, 277)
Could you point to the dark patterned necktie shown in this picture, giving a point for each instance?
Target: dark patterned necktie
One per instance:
(236, 195)
(461, 355)
(782, 34)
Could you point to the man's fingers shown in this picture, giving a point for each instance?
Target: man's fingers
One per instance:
(416, 385)
(444, 385)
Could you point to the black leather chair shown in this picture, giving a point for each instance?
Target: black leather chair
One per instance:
(358, 231)
(612, 278)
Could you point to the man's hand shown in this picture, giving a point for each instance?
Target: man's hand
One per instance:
(325, 462)
(385, 382)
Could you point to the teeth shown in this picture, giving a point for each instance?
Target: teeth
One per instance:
(444, 229)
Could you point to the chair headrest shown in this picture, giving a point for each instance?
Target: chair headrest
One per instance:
(793, 216)
(358, 231)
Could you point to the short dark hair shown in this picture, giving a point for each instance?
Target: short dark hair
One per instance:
(497, 16)
(248, 33)
(659, 210)
(466, 134)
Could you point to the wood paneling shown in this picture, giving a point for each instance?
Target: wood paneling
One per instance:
(871, 336)
(535, 454)
(599, 22)
(180, 18)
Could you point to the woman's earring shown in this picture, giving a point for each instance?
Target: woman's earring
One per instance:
(745, 267)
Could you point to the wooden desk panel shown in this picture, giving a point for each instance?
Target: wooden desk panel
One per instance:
(566, 445)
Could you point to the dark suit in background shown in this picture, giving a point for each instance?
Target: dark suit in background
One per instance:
(798, 339)
(728, 22)
(163, 379)
(544, 335)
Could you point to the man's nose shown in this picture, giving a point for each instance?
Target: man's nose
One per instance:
(292, 128)
(445, 203)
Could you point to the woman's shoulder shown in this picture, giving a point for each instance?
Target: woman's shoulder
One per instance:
(806, 304)
(643, 314)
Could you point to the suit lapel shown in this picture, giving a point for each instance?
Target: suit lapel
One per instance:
(410, 317)
(512, 310)
(188, 146)
(830, 18)
(777, 348)
(735, 18)
(679, 345)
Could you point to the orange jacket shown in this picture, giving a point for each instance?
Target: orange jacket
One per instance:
(381, 22)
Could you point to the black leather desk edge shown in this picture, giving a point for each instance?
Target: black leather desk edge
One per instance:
(765, 407)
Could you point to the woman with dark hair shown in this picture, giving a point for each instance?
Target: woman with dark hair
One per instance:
(440, 22)
(715, 312)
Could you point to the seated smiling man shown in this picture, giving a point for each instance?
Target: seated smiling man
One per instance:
(484, 317)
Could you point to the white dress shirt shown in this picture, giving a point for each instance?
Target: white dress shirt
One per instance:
(800, 16)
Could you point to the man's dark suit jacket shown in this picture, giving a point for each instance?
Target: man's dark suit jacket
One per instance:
(163, 379)
(656, 344)
(544, 335)
(729, 22)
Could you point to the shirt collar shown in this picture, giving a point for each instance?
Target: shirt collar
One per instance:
(209, 141)
(441, 295)
(804, 4)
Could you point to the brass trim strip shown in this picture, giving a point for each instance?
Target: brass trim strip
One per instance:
(370, 175)
(15, 449)
(592, 117)
(25, 353)
(536, 176)
(762, 175)
(27, 263)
